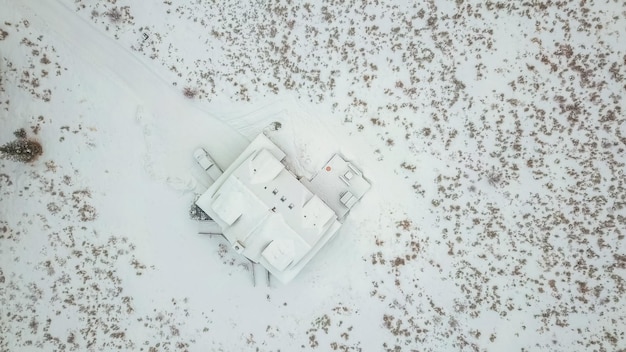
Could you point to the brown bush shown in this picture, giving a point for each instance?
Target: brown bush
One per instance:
(22, 150)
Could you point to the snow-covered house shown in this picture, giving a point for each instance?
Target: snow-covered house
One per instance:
(271, 217)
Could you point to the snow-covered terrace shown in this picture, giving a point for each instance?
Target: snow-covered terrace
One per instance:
(340, 184)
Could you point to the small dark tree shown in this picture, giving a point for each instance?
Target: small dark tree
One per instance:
(22, 150)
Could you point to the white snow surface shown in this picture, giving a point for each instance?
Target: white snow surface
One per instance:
(493, 134)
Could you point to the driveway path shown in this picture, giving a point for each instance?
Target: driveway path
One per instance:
(156, 95)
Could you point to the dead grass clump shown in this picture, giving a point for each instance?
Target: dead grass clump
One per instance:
(408, 166)
(190, 92)
(404, 224)
(115, 15)
(494, 178)
(87, 213)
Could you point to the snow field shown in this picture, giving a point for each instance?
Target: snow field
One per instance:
(492, 133)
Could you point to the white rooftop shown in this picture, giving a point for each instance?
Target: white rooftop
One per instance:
(266, 213)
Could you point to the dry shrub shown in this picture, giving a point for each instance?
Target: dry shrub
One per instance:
(190, 92)
(21, 150)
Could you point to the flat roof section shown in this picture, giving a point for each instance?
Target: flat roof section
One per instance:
(339, 184)
(283, 194)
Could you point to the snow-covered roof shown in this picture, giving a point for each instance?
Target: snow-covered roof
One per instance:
(264, 210)
(339, 184)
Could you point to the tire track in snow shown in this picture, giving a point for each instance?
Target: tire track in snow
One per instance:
(193, 125)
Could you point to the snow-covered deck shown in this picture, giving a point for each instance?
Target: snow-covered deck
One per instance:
(340, 184)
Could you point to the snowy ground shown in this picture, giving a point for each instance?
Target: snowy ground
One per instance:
(493, 133)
